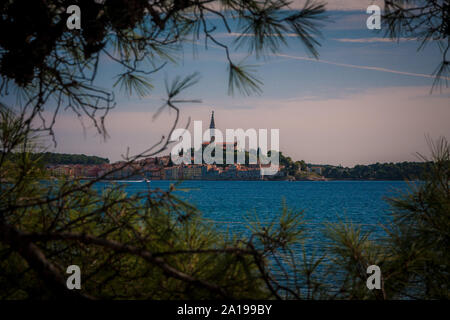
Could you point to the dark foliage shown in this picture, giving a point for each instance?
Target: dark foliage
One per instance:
(48, 158)
(379, 171)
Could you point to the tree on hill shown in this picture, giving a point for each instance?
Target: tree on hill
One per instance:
(63, 158)
(380, 171)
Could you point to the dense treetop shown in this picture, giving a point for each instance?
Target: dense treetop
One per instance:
(50, 158)
(64, 158)
(379, 171)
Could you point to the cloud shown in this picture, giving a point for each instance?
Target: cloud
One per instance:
(372, 40)
(354, 66)
(237, 34)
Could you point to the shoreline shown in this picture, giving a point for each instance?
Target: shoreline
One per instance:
(265, 180)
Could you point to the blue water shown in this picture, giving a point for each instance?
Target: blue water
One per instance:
(230, 204)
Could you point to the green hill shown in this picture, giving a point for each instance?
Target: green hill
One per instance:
(47, 158)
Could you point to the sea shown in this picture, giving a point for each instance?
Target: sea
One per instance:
(232, 205)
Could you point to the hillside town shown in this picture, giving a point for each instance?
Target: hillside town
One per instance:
(162, 168)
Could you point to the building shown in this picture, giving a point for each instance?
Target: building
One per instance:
(61, 170)
(162, 161)
(212, 130)
(212, 173)
(172, 173)
(317, 170)
(152, 172)
(249, 173)
(192, 171)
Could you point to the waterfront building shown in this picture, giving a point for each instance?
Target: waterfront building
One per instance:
(249, 173)
(61, 170)
(104, 169)
(172, 173)
(91, 171)
(152, 172)
(317, 170)
(212, 173)
(192, 171)
(78, 170)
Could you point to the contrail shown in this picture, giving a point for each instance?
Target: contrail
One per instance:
(360, 67)
(347, 65)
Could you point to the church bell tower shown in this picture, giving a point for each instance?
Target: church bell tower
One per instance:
(212, 127)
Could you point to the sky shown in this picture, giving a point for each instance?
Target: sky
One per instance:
(365, 100)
